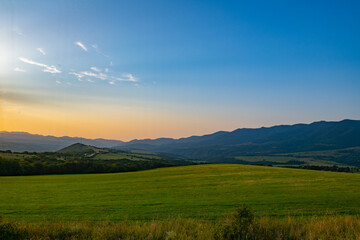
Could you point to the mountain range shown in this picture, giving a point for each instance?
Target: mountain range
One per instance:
(317, 136)
(22, 141)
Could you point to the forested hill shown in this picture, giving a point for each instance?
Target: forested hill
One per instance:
(22, 141)
(80, 158)
(316, 136)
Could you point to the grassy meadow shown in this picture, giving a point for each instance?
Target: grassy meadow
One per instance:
(206, 192)
(310, 228)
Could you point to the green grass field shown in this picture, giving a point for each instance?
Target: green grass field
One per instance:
(201, 191)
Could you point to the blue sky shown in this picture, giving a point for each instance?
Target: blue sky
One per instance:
(176, 68)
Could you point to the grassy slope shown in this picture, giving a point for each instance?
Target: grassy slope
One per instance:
(193, 191)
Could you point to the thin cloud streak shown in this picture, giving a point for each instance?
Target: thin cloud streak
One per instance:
(127, 77)
(102, 76)
(81, 45)
(95, 75)
(96, 48)
(47, 68)
(78, 75)
(41, 50)
(130, 77)
(18, 31)
(17, 69)
(95, 69)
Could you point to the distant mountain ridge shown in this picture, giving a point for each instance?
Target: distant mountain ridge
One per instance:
(22, 141)
(316, 136)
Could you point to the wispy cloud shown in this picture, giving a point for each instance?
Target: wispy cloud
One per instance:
(51, 69)
(96, 48)
(17, 69)
(81, 45)
(41, 50)
(101, 76)
(95, 69)
(127, 77)
(78, 75)
(25, 60)
(18, 31)
(47, 68)
(58, 82)
(130, 77)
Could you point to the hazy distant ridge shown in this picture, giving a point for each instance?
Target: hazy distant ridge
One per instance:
(278, 139)
(266, 140)
(22, 141)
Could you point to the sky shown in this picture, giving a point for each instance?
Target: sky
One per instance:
(148, 69)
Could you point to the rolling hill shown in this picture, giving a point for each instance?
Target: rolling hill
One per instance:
(81, 158)
(226, 146)
(317, 136)
(81, 148)
(22, 141)
(198, 191)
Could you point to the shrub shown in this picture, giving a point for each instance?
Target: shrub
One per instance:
(10, 231)
(240, 225)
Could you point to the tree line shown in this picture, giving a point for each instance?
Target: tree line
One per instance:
(50, 163)
(333, 168)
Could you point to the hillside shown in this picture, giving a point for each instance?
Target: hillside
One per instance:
(81, 148)
(317, 136)
(21, 141)
(199, 191)
(269, 143)
(81, 158)
(345, 157)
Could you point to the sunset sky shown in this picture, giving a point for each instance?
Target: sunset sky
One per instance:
(148, 69)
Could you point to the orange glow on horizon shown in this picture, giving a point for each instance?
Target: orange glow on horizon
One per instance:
(104, 123)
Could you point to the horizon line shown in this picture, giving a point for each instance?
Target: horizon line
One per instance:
(99, 138)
